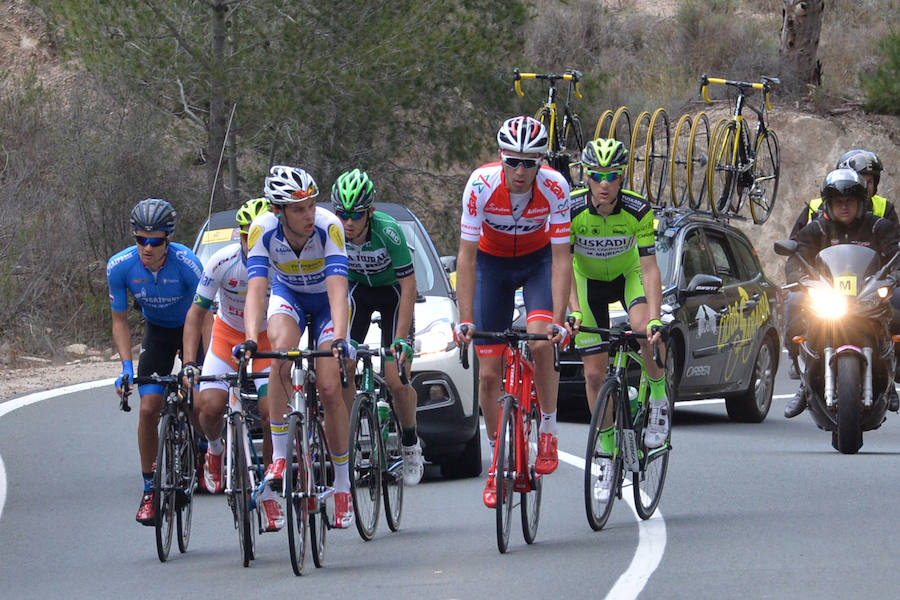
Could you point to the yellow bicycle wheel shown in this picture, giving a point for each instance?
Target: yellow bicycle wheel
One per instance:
(545, 116)
(603, 123)
(637, 153)
(656, 164)
(678, 166)
(620, 126)
(697, 159)
(721, 172)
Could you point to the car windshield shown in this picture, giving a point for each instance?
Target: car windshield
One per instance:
(215, 239)
(424, 260)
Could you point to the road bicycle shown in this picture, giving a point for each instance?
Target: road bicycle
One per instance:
(739, 172)
(624, 449)
(175, 475)
(566, 133)
(309, 482)
(690, 149)
(376, 457)
(518, 431)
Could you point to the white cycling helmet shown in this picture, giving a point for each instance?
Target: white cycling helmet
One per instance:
(286, 185)
(523, 134)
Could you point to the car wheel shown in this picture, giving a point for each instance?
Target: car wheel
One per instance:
(753, 405)
(467, 464)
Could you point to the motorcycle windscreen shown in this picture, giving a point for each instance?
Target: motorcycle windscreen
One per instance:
(845, 263)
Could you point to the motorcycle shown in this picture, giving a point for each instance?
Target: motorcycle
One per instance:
(846, 351)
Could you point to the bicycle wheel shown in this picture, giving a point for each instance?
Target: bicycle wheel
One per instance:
(506, 470)
(296, 494)
(596, 508)
(743, 177)
(721, 169)
(620, 126)
(365, 471)
(603, 123)
(530, 502)
(766, 171)
(164, 485)
(659, 142)
(637, 153)
(648, 482)
(678, 168)
(545, 116)
(392, 470)
(697, 159)
(574, 137)
(323, 478)
(241, 492)
(187, 468)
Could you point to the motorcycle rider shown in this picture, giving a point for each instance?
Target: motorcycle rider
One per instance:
(845, 220)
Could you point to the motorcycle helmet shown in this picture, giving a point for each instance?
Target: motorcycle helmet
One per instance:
(863, 162)
(844, 183)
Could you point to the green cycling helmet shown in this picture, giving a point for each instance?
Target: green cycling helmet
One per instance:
(353, 191)
(604, 153)
(249, 211)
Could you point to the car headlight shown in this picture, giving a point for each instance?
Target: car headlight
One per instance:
(828, 304)
(435, 338)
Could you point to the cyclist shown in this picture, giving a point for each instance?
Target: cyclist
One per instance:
(869, 167)
(382, 279)
(845, 220)
(225, 275)
(514, 231)
(614, 258)
(161, 275)
(303, 245)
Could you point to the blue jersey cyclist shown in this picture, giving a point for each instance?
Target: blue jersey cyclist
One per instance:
(515, 233)
(161, 275)
(303, 245)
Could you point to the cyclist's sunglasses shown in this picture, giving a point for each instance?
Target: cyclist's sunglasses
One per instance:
(153, 242)
(600, 176)
(356, 215)
(513, 162)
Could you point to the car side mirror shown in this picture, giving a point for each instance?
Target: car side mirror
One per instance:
(704, 284)
(786, 247)
(449, 263)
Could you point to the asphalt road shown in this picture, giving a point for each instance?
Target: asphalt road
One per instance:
(748, 511)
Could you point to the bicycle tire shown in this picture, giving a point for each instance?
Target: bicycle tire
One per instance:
(296, 494)
(545, 116)
(188, 481)
(597, 510)
(678, 169)
(392, 469)
(323, 477)
(365, 470)
(659, 143)
(574, 136)
(240, 483)
(742, 174)
(697, 159)
(766, 173)
(721, 172)
(648, 483)
(506, 470)
(637, 153)
(620, 126)
(602, 122)
(164, 479)
(530, 502)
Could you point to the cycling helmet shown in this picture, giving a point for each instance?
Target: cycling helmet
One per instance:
(844, 183)
(605, 153)
(153, 214)
(286, 185)
(353, 191)
(249, 211)
(523, 134)
(863, 162)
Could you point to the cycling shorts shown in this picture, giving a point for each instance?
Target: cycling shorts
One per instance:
(496, 281)
(364, 300)
(158, 350)
(219, 358)
(297, 305)
(594, 297)
(213, 365)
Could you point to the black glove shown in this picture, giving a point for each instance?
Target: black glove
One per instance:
(240, 349)
(340, 345)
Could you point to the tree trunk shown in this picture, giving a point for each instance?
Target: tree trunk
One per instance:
(218, 115)
(800, 28)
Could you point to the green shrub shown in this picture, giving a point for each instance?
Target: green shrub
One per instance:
(882, 86)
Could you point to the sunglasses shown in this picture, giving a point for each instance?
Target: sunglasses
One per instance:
(153, 242)
(513, 162)
(601, 176)
(350, 216)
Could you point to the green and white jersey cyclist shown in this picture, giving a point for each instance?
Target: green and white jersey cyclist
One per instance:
(381, 279)
(614, 258)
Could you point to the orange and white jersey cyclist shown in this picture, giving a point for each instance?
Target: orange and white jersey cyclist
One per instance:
(225, 277)
(302, 245)
(514, 232)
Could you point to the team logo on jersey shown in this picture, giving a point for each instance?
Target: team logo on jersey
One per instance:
(255, 232)
(336, 233)
(392, 235)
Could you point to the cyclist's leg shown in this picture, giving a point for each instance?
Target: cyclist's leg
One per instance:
(360, 319)
(594, 297)
(210, 408)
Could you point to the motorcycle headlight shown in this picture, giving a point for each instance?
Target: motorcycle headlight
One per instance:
(436, 337)
(883, 292)
(828, 304)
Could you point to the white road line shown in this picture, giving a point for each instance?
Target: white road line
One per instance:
(11, 405)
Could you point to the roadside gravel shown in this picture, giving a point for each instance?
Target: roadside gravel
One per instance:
(18, 382)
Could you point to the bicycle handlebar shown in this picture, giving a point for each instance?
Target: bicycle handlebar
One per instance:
(298, 355)
(620, 336)
(363, 350)
(570, 75)
(166, 380)
(765, 85)
(510, 338)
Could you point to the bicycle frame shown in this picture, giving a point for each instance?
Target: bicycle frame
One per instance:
(235, 411)
(519, 383)
(619, 371)
(572, 77)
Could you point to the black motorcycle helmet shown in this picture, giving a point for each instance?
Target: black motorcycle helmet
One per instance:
(844, 183)
(863, 162)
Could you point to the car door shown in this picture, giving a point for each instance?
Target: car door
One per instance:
(701, 313)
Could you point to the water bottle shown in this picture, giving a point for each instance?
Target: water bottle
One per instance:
(384, 416)
(633, 398)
